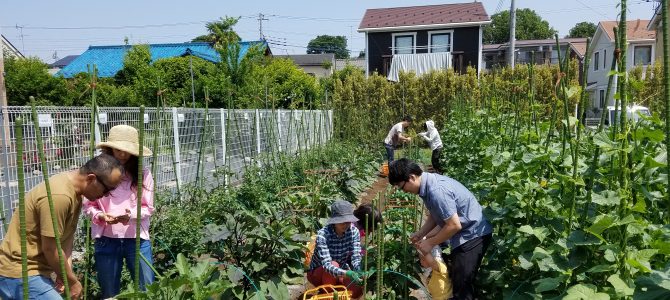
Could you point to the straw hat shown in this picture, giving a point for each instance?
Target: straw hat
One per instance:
(124, 138)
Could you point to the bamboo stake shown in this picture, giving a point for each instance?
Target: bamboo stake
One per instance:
(45, 175)
(666, 95)
(18, 131)
(140, 188)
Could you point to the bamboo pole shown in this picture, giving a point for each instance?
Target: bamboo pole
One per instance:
(140, 188)
(18, 131)
(45, 175)
(666, 95)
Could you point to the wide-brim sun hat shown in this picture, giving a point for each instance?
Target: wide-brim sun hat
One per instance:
(341, 212)
(124, 138)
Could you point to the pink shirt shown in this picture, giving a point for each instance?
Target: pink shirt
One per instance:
(116, 203)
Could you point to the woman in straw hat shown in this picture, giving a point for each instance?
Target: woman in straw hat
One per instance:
(114, 216)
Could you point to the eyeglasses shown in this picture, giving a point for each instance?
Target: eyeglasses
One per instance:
(107, 189)
(402, 187)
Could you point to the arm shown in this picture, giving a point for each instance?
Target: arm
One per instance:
(326, 261)
(424, 230)
(451, 226)
(425, 136)
(51, 255)
(356, 256)
(93, 210)
(147, 205)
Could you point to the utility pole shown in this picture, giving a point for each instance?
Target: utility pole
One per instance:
(512, 36)
(260, 19)
(3, 95)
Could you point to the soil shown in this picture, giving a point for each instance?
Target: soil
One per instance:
(370, 194)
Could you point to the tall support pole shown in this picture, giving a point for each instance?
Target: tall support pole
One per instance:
(512, 35)
(177, 150)
(666, 89)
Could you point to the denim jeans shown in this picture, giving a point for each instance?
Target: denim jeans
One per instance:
(39, 287)
(389, 152)
(109, 256)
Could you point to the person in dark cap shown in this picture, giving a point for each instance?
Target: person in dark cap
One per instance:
(337, 255)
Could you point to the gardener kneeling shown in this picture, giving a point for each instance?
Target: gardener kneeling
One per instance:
(337, 255)
(457, 213)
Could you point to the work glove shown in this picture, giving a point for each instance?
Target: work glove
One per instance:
(354, 276)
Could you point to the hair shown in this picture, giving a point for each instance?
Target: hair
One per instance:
(373, 217)
(101, 166)
(131, 166)
(400, 170)
(407, 119)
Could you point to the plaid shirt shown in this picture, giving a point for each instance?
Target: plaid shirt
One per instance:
(345, 250)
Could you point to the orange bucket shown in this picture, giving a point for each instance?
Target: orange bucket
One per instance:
(384, 172)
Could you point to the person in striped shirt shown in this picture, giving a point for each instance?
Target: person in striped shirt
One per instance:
(337, 254)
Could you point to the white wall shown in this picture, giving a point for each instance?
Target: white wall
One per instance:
(601, 45)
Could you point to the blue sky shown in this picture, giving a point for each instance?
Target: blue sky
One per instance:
(291, 23)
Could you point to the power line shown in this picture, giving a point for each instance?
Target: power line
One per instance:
(598, 12)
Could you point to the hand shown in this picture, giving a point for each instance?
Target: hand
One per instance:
(75, 289)
(59, 286)
(124, 218)
(415, 237)
(355, 278)
(107, 218)
(425, 246)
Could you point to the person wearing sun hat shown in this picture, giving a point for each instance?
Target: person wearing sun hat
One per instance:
(337, 254)
(114, 216)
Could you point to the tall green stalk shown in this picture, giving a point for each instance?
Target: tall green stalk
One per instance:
(47, 186)
(18, 132)
(87, 222)
(140, 188)
(601, 125)
(666, 95)
(575, 151)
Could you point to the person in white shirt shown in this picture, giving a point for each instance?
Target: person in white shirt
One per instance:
(432, 136)
(396, 136)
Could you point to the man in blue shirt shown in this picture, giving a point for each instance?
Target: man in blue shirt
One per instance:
(456, 214)
(337, 253)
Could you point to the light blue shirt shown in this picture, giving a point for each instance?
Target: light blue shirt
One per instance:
(444, 197)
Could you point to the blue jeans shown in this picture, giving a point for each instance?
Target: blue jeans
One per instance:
(109, 256)
(39, 287)
(389, 152)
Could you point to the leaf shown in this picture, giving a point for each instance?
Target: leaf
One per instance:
(581, 238)
(601, 269)
(214, 233)
(572, 121)
(603, 141)
(640, 259)
(539, 232)
(547, 284)
(606, 198)
(524, 262)
(621, 288)
(653, 286)
(602, 222)
(258, 266)
(585, 292)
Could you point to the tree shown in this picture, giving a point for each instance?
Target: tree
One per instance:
(329, 44)
(529, 26)
(582, 30)
(29, 77)
(220, 32)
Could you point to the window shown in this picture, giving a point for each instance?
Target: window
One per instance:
(605, 59)
(404, 43)
(642, 55)
(596, 61)
(440, 41)
(602, 98)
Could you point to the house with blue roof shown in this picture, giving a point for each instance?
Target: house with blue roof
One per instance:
(109, 59)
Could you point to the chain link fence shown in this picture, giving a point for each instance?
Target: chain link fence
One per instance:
(208, 147)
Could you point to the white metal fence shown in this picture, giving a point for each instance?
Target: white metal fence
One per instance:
(183, 133)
